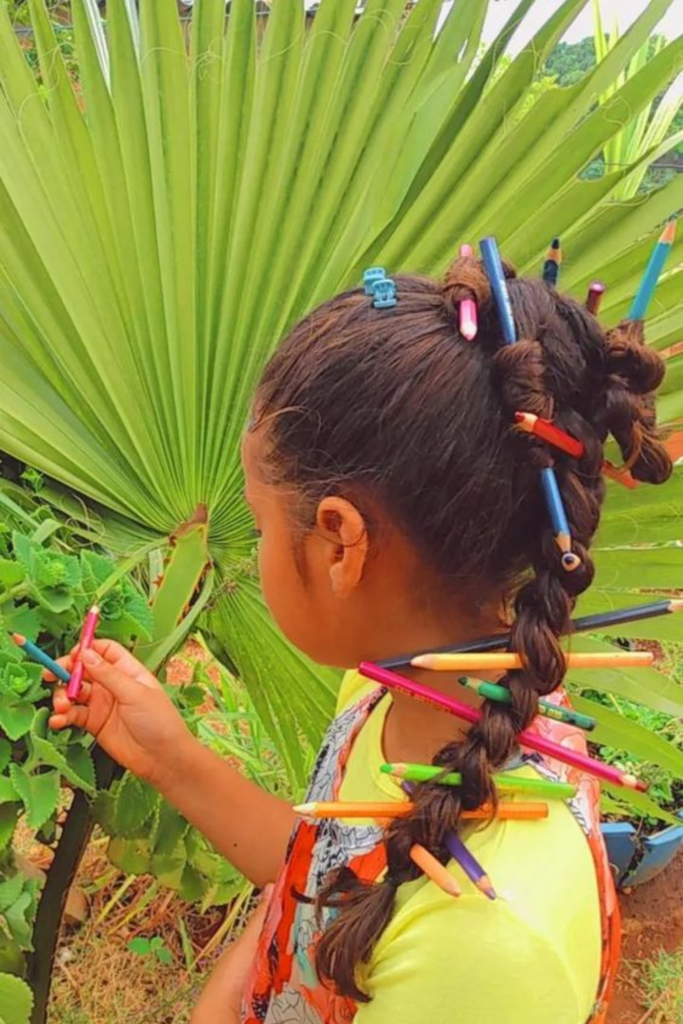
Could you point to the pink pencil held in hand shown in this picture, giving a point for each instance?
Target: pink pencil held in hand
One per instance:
(87, 637)
(468, 307)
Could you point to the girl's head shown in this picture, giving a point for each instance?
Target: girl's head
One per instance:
(389, 480)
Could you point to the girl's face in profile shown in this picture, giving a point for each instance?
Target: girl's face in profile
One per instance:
(311, 577)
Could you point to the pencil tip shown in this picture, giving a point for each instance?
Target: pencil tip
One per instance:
(303, 809)
(676, 606)
(388, 769)
(19, 639)
(669, 233)
(555, 244)
(490, 892)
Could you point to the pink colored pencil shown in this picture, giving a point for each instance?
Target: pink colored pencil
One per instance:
(87, 637)
(468, 308)
(528, 739)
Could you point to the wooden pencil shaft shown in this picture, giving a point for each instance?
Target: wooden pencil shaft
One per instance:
(504, 783)
(505, 662)
(506, 811)
(583, 624)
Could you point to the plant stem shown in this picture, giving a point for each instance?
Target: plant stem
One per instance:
(60, 877)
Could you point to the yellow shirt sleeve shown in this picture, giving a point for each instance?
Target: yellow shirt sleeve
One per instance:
(423, 970)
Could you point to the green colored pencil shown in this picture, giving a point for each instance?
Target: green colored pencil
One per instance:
(505, 783)
(491, 691)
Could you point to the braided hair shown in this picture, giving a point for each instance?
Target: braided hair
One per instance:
(398, 407)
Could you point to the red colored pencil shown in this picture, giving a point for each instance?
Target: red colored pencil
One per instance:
(594, 298)
(547, 431)
(87, 637)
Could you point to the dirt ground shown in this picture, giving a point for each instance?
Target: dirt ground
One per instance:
(652, 920)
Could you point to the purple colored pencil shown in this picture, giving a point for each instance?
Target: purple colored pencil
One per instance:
(470, 865)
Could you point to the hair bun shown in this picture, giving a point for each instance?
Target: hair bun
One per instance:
(639, 367)
(465, 279)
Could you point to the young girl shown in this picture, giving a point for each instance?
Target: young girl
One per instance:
(399, 509)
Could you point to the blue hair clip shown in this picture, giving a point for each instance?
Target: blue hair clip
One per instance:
(384, 293)
(371, 276)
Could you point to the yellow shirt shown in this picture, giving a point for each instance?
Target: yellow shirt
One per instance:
(530, 957)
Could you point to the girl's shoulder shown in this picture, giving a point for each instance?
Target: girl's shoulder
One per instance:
(354, 687)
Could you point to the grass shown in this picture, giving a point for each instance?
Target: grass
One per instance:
(662, 986)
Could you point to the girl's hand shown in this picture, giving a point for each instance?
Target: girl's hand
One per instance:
(222, 997)
(126, 709)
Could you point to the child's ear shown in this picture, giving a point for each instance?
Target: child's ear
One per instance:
(340, 523)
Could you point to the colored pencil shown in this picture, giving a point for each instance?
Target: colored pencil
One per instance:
(531, 740)
(544, 788)
(475, 661)
(87, 637)
(470, 865)
(37, 654)
(434, 870)
(496, 275)
(594, 297)
(492, 691)
(621, 476)
(553, 261)
(585, 623)
(563, 441)
(468, 307)
(527, 811)
(653, 271)
(547, 431)
(558, 517)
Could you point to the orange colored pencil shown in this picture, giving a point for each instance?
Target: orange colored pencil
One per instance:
(522, 811)
(505, 662)
(434, 870)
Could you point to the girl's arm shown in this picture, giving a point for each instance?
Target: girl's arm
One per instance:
(250, 827)
(127, 710)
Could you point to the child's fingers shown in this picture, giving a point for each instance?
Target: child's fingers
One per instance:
(77, 716)
(116, 655)
(61, 703)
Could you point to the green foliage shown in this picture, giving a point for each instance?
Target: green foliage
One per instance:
(154, 947)
(16, 1000)
(45, 588)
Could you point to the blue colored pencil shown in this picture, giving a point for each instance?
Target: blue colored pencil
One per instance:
(558, 517)
(494, 269)
(470, 865)
(36, 653)
(652, 272)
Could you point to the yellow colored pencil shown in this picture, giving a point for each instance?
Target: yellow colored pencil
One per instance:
(434, 870)
(526, 811)
(505, 662)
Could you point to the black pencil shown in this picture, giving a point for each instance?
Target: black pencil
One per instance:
(551, 267)
(585, 624)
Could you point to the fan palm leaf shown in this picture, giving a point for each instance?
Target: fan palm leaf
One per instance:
(164, 224)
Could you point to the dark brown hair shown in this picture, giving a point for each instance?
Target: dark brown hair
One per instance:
(397, 405)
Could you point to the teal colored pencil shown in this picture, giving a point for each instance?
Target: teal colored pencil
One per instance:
(492, 691)
(36, 653)
(653, 272)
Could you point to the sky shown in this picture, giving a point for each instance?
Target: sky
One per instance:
(627, 11)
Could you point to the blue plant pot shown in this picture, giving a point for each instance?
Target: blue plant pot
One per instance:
(658, 851)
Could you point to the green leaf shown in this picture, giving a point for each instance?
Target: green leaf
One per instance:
(135, 802)
(15, 719)
(616, 731)
(11, 573)
(169, 828)
(9, 815)
(38, 793)
(16, 1000)
(19, 918)
(10, 891)
(131, 856)
(75, 765)
(8, 793)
